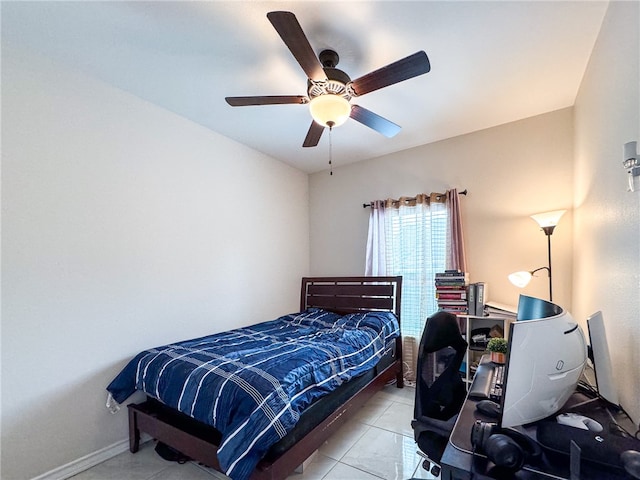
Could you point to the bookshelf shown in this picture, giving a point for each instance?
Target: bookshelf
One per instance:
(477, 330)
(468, 302)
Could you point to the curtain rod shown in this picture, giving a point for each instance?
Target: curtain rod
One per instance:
(463, 192)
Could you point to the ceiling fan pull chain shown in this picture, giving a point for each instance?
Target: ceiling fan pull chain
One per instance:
(330, 148)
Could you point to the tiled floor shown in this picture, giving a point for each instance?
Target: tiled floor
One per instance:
(376, 444)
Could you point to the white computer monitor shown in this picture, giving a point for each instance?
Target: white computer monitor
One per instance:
(599, 354)
(545, 360)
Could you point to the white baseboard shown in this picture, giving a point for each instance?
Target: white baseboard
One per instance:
(91, 460)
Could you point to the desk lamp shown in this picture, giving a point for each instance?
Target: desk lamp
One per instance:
(547, 222)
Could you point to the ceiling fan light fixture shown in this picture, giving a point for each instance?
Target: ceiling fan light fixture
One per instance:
(330, 109)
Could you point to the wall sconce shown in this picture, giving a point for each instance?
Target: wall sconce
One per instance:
(547, 222)
(632, 165)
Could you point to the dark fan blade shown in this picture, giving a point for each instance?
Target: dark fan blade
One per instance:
(375, 121)
(291, 33)
(266, 100)
(395, 72)
(313, 135)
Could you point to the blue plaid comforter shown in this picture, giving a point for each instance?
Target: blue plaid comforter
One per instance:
(252, 383)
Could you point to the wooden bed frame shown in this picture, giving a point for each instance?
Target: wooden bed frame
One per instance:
(200, 442)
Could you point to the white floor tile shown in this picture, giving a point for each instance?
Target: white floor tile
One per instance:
(316, 470)
(128, 466)
(406, 395)
(187, 471)
(385, 454)
(373, 409)
(346, 472)
(397, 418)
(345, 438)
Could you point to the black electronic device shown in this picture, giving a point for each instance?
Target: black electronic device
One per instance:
(505, 447)
(600, 448)
(488, 382)
(488, 408)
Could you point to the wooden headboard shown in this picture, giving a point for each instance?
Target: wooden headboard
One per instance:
(352, 294)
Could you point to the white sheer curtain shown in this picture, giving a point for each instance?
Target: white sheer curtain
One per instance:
(412, 237)
(376, 251)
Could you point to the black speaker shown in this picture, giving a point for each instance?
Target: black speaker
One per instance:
(505, 447)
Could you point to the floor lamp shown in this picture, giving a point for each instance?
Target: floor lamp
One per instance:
(547, 222)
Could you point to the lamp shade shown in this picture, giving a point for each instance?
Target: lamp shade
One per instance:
(548, 219)
(520, 279)
(330, 109)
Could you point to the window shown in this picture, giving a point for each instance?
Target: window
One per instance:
(416, 248)
(415, 238)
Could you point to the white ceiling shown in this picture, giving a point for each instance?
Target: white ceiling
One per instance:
(491, 62)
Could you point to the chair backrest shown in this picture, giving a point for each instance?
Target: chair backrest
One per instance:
(443, 398)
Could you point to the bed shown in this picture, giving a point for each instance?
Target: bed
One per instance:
(348, 327)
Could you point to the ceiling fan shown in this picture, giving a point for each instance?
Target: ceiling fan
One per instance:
(329, 90)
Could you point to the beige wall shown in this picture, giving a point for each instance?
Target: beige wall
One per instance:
(607, 217)
(506, 171)
(124, 226)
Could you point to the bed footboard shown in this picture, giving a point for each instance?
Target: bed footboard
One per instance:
(194, 440)
(200, 442)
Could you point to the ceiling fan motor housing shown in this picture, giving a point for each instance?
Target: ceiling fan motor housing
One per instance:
(336, 82)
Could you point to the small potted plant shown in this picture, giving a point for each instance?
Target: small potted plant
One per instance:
(498, 348)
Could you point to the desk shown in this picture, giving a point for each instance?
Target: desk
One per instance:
(460, 463)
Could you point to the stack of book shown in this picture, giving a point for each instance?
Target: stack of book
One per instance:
(451, 291)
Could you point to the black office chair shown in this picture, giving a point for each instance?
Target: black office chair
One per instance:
(438, 401)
